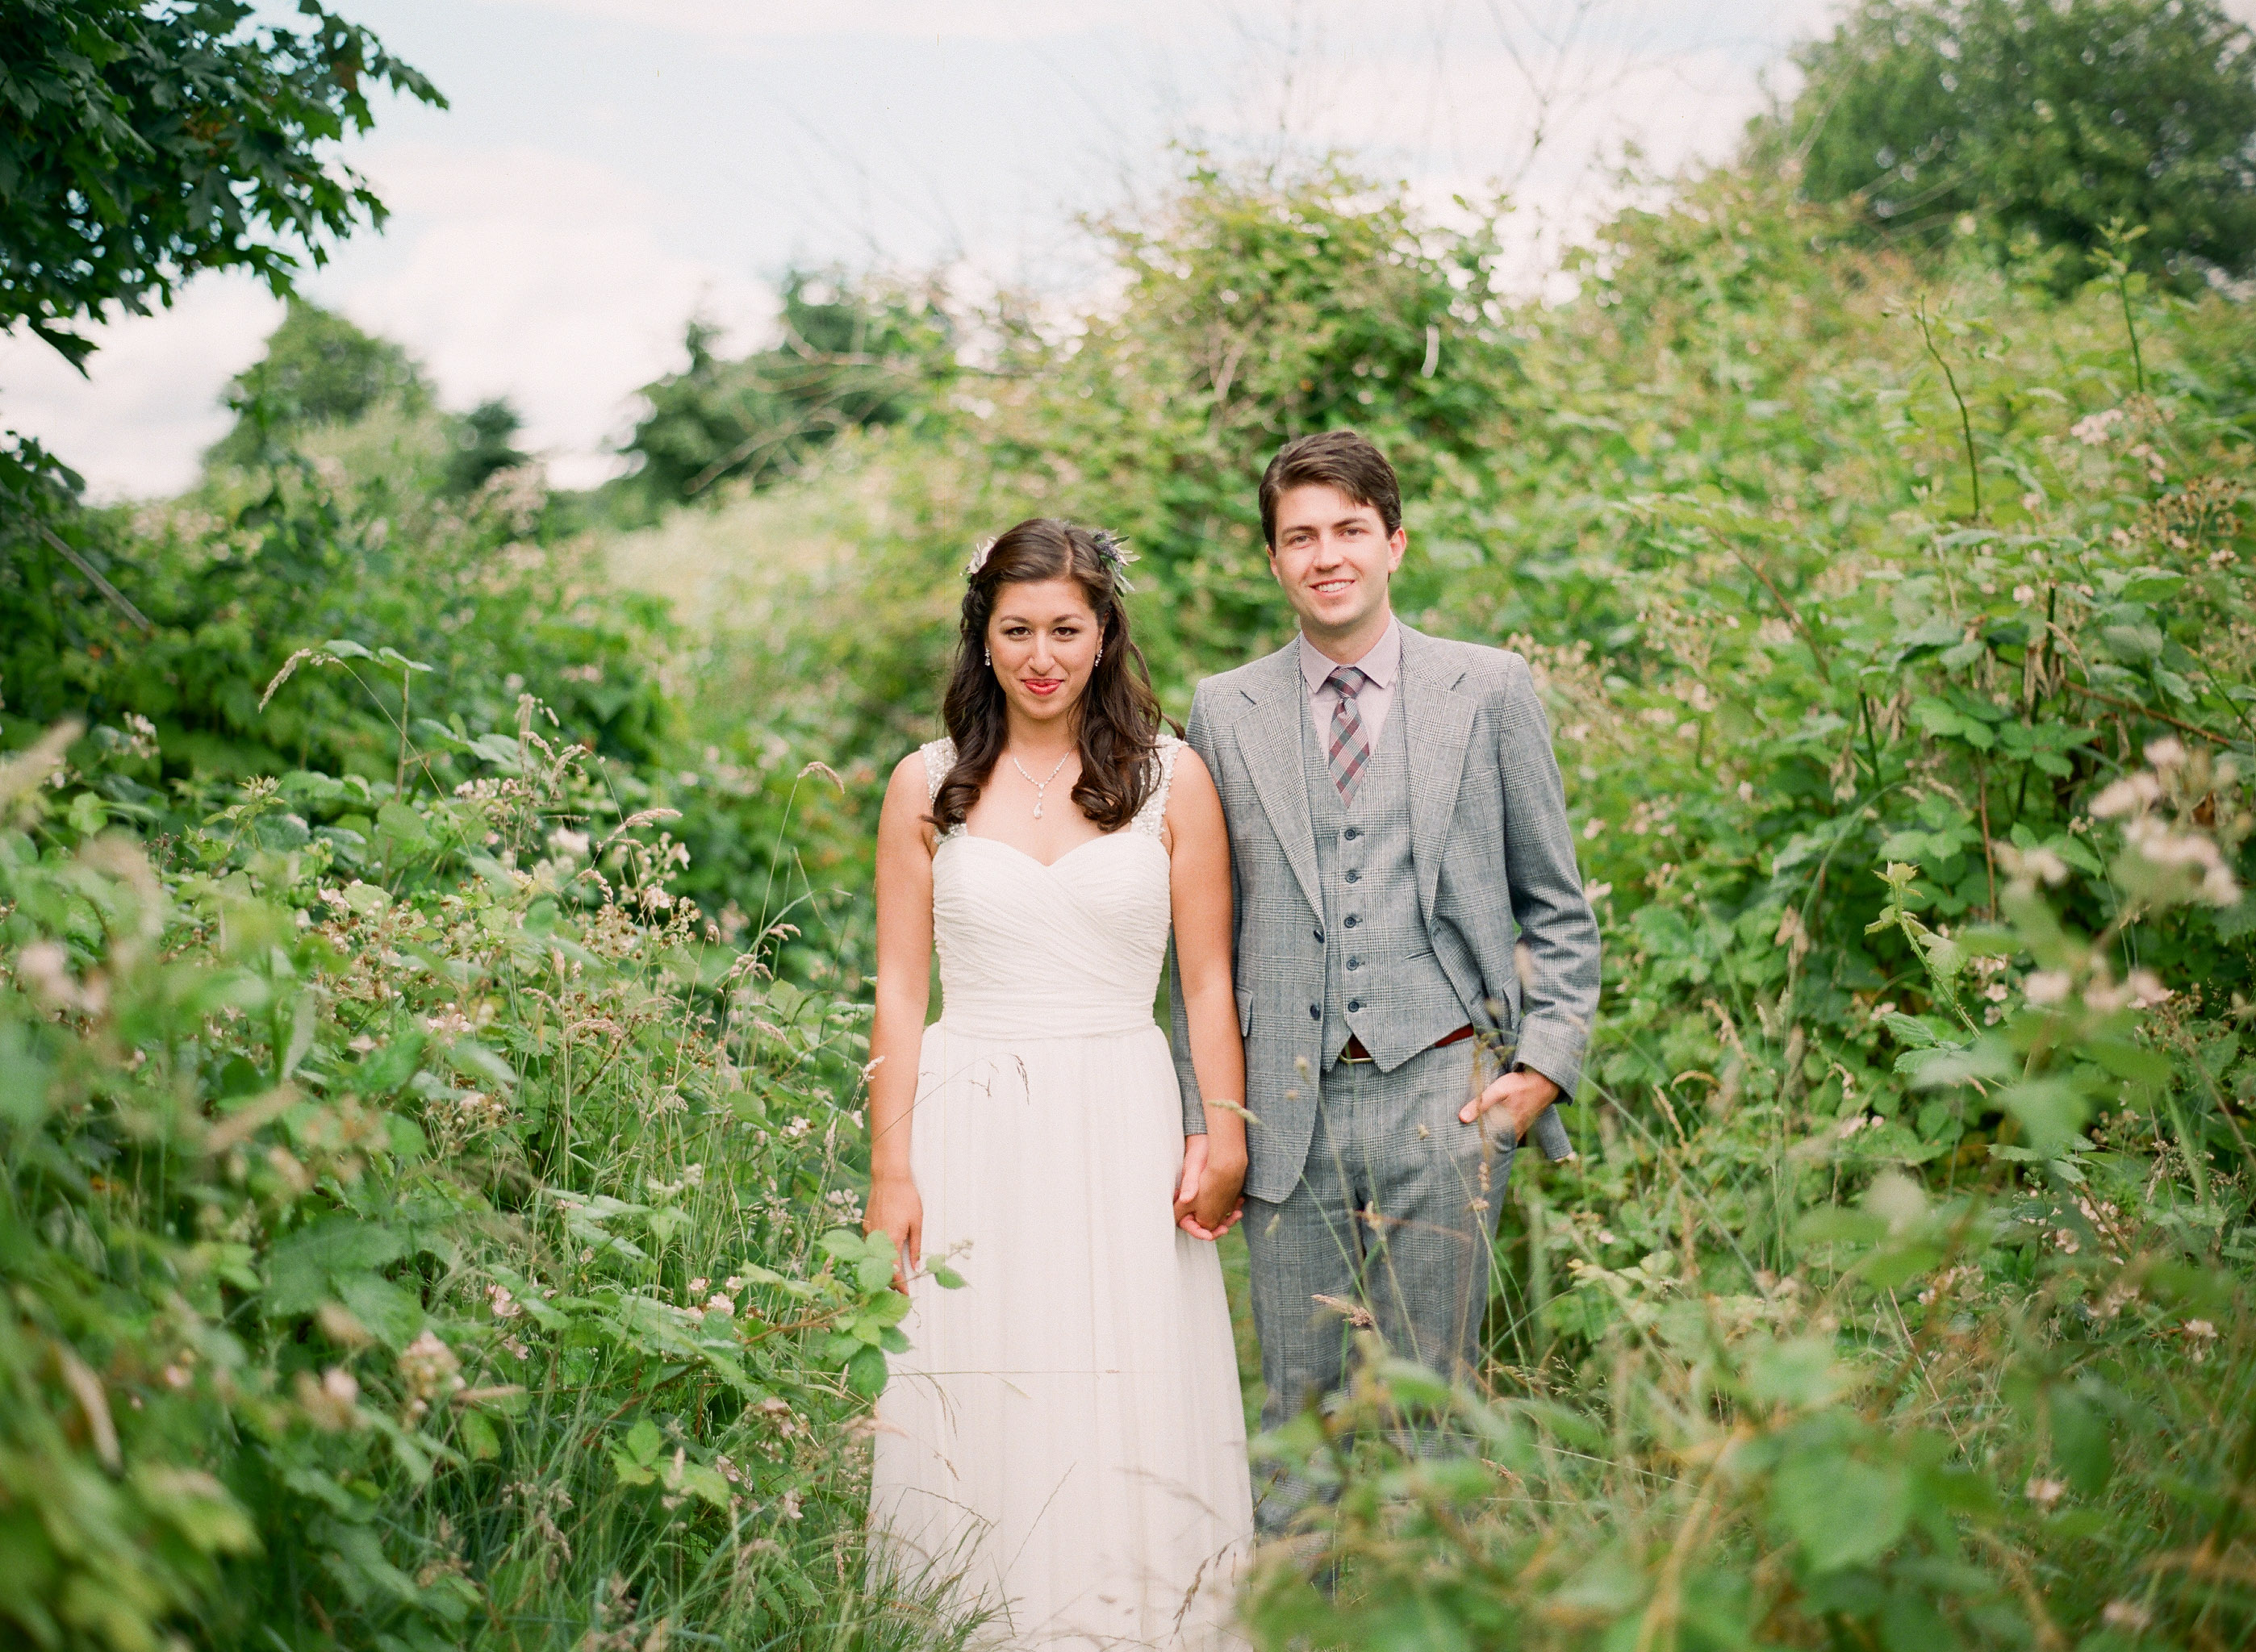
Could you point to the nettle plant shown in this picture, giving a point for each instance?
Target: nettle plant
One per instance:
(417, 1220)
(2022, 1413)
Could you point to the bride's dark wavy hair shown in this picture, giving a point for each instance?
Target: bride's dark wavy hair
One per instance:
(1118, 713)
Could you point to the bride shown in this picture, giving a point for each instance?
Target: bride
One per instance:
(1065, 1437)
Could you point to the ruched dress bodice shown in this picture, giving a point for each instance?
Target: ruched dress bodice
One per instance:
(1065, 1437)
(1069, 950)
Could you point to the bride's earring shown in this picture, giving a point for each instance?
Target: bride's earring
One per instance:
(991, 657)
(1099, 660)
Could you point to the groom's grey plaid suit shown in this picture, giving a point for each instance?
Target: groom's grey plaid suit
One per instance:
(1362, 1182)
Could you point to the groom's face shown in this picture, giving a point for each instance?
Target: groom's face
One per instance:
(1333, 557)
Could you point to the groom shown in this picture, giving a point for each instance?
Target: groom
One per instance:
(1417, 968)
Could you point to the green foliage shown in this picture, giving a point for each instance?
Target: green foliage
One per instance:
(319, 369)
(141, 145)
(855, 353)
(1868, 599)
(415, 1222)
(483, 446)
(2025, 118)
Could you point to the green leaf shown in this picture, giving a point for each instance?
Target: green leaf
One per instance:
(303, 1269)
(1843, 1510)
(2079, 1439)
(865, 1373)
(2050, 1110)
(480, 1439)
(1801, 1373)
(945, 1277)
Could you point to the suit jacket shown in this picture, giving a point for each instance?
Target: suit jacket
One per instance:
(1495, 864)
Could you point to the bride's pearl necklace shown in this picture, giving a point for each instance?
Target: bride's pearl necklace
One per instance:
(1039, 786)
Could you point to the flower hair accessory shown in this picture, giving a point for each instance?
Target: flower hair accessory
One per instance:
(979, 555)
(1113, 552)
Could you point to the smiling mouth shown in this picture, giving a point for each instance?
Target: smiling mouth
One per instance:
(1042, 684)
(1331, 588)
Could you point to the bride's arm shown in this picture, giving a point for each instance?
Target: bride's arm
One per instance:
(1214, 1164)
(904, 992)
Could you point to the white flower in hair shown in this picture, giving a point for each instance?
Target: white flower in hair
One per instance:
(979, 555)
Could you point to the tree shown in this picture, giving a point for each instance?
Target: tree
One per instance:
(319, 369)
(484, 443)
(2045, 120)
(852, 354)
(140, 144)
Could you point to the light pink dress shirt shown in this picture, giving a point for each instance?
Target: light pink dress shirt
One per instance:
(1383, 665)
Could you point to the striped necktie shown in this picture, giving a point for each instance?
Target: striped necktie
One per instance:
(1350, 746)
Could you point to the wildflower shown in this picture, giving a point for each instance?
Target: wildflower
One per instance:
(697, 1286)
(2048, 986)
(2125, 1615)
(2131, 793)
(791, 1505)
(732, 1282)
(2045, 1492)
(2200, 1334)
(2091, 430)
(330, 1404)
(504, 1305)
(722, 1304)
(2147, 989)
(2166, 753)
(430, 1368)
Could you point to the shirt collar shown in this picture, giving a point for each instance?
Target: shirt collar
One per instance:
(1380, 665)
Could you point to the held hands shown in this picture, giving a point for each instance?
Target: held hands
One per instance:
(1208, 1204)
(1520, 1096)
(896, 1207)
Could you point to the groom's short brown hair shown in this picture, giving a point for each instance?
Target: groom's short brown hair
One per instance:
(1333, 459)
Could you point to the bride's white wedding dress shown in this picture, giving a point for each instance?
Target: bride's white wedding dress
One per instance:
(1065, 1434)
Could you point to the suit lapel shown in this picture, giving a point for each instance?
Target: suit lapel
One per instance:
(1269, 741)
(1437, 726)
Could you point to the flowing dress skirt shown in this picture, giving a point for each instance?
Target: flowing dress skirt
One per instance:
(1065, 1439)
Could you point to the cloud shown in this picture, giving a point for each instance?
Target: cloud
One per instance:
(541, 278)
(150, 406)
(751, 20)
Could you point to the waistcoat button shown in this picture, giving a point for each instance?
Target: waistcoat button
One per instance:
(1352, 833)
(1315, 1012)
(1354, 1005)
(1320, 938)
(1355, 963)
(1354, 877)
(1352, 920)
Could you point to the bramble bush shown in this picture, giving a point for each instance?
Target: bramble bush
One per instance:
(418, 1223)
(1892, 613)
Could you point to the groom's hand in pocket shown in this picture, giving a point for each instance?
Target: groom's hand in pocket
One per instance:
(1208, 1201)
(1516, 1100)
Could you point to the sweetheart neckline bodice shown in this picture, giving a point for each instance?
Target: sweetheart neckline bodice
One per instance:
(969, 836)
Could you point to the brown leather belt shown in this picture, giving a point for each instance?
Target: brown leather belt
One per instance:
(1355, 1052)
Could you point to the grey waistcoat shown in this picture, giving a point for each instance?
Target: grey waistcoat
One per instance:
(1382, 982)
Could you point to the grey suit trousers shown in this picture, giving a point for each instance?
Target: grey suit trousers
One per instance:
(1395, 1215)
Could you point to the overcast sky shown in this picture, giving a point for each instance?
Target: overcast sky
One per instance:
(609, 166)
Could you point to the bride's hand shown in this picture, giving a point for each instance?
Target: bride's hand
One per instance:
(1207, 1202)
(896, 1207)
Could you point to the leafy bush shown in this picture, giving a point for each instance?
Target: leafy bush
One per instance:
(2051, 121)
(141, 146)
(414, 1219)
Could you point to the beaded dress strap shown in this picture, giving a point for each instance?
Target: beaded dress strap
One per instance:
(1152, 818)
(939, 759)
